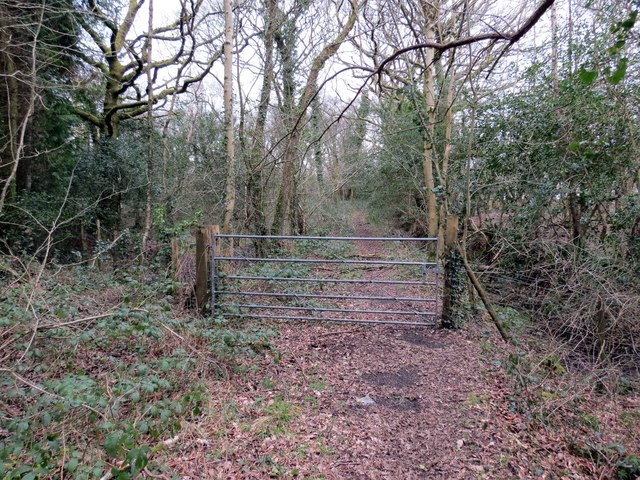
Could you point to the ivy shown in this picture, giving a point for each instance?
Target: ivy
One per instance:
(109, 393)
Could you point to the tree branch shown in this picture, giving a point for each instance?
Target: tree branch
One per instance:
(134, 6)
(512, 37)
(89, 117)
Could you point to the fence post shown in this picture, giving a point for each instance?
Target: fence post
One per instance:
(205, 269)
(96, 260)
(202, 273)
(175, 259)
(455, 283)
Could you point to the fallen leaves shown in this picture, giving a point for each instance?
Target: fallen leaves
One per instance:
(383, 402)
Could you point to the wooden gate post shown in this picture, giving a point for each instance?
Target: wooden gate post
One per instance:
(96, 259)
(455, 280)
(175, 259)
(202, 273)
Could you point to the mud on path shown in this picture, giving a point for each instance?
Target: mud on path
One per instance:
(303, 409)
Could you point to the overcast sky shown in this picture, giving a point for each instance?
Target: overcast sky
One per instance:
(340, 90)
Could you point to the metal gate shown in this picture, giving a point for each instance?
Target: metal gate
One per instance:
(295, 281)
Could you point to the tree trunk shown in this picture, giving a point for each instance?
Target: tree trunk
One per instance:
(285, 41)
(230, 197)
(317, 151)
(448, 134)
(428, 147)
(149, 188)
(8, 160)
(554, 51)
(18, 119)
(285, 195)
(256, 218)
(454, 288)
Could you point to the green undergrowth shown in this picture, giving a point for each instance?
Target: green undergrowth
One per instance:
(100, 370)
(329, 249)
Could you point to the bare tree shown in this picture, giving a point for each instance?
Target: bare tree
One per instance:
(285, 198)
(120, 61)
(257, 154)
(418, 42)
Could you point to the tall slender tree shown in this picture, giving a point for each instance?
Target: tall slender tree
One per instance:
(230, 190)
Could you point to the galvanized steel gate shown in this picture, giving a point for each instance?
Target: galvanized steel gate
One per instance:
(230, 280)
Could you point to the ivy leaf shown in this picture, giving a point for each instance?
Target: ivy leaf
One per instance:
(72, 465)
(143, 426)
(137, 459)
(587, 76)
(631, 21)
(113, 443)
(620, 72)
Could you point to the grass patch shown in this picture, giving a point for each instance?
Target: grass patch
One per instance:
(268, 383)
(322, 448)
(473, 400)
(317, 384)
(630, 419)
(275, 417)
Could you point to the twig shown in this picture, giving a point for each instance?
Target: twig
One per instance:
(148, 473)
(81, 320)
(485, 300)
(306, 380)
(33, 334)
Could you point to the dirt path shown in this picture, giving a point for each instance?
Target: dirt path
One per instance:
(296, 411)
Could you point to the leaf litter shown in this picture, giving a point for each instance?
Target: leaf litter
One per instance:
(336, 401)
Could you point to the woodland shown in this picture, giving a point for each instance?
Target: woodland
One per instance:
(126, 126)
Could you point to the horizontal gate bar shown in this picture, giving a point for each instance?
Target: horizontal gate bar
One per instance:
(331, 319)
(310, 295)
(330, 280)
(293, 237)
(324, 260)
(322, 309)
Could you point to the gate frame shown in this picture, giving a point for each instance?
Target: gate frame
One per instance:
(215, 258)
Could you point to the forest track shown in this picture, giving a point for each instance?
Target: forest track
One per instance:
(297, 410)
